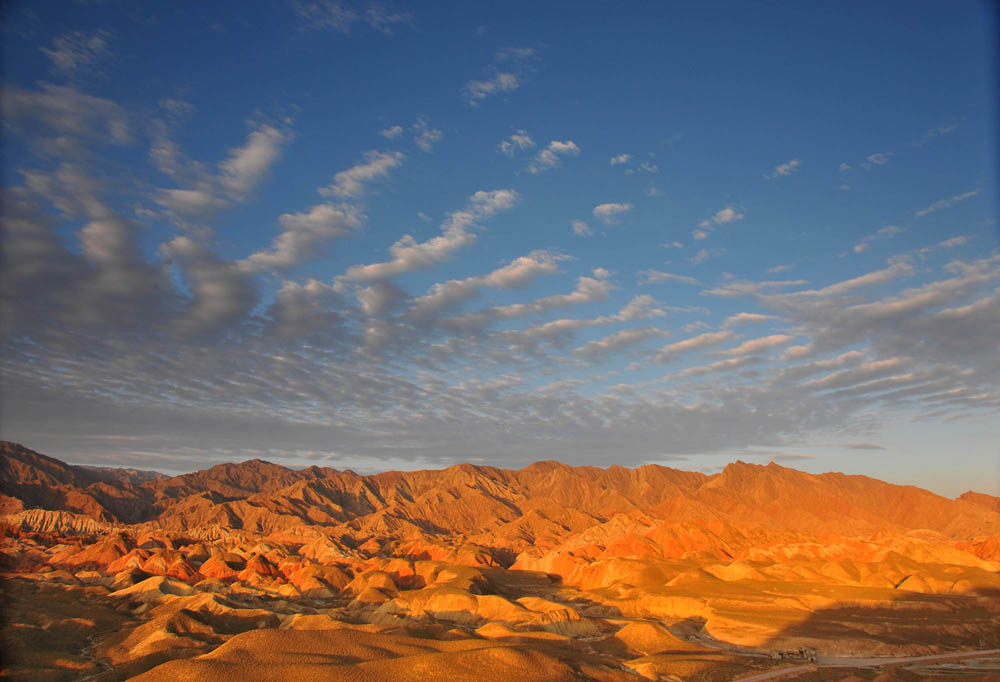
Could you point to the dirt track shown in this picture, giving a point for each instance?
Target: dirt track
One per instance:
(866, 663)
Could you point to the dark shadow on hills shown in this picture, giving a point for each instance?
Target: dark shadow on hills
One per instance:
(911, 624)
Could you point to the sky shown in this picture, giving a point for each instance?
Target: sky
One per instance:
(408, 235)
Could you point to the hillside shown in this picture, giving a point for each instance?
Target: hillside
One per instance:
(555, 565)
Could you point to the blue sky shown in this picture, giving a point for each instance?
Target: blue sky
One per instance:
(376, 235)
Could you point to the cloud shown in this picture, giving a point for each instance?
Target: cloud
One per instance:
(608, 213)
(758, 345)
(549, 157)
(303, 233)
(719, 366)
(516, 55)
(746, 318)
(886, 232)
(477, 91)
(743, 287)
(654, 191)
(620, 159)
(618, 341)
(670, 352)
(877, 159)
(221, 292)
(581, 228)
(246, 165)
(779, 268)
(861, 446)
(351, 183)
(587, 290)
(451, 294)
(519, 141)
(424, 136)
(341, 16)
(727, 215)
(723, 216)
(306, 311)
(649, 167)
(703, 255)
(947, 203)
(76, 52)
(238, 175)
(68, 112)
(935, 132)
(508, 68)
(392, 132)
(658, 277)
(456, 232)
(781, 170)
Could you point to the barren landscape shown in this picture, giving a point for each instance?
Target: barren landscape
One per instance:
(253, 571)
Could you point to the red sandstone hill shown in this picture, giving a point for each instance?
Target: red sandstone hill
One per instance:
(538, 508)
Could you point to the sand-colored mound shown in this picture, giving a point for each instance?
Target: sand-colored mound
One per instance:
(154, 588)
(349, 654)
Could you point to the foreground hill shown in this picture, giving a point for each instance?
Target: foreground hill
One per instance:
(552, 568)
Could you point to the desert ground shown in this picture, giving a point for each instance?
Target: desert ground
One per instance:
(253, 571)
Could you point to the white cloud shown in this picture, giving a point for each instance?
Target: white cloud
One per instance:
(658, 276)
(515, 55)
(477, 91)
(620, 159)
(783, 169)
(696, 343)
(222, 293)
(303, 233)
(424, 136)
(654, 191)
(619, 340)
(947, 203)
(548, 158)
(779, 268)
(351, 183)
(392, 132)
(726, 215)
(519, 141)
(649, 167)
(408, 254)
(878, 159)
(189, 201)
(897, 269)
(608, 213)
(67, 112)
(518, 273)
(746, 318)
(77, 51)
(246, 165)
(509, 65)
(703, 255)
(936, 132)
(760, 344)
(886, 232)
(342, 15)
(238, 175)
(581, 228)
(721, 365)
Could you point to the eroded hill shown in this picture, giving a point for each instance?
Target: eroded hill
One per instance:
(473, 572)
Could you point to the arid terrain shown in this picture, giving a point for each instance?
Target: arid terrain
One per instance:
(253, 571)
